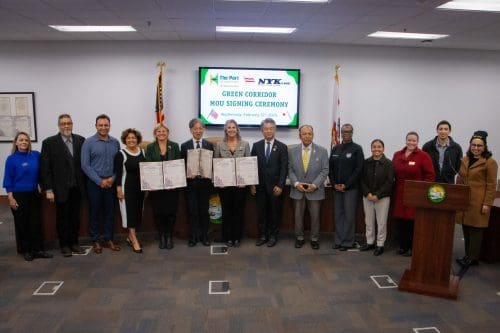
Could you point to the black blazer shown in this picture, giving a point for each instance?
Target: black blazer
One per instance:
(272, 173)
(59, 170)
(189, 145)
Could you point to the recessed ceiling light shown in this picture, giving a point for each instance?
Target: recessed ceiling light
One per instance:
(309, 1)
(93, 28)
(479, 5)
(405, 35)
(259, 30)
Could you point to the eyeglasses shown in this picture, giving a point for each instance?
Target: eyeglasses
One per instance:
(69, 123)
(346, 132)
(473, 145)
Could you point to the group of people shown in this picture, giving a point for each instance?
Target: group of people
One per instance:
(70, 167)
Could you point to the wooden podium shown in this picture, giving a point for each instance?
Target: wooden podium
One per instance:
(436, 205)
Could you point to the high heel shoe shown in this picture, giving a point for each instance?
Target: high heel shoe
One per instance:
(128, 241)
(139, 250)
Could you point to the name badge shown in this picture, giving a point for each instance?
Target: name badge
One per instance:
(348, 155)
(411, 163)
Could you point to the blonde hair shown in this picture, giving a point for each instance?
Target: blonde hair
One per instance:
(14, 147)
(157, 127)
(232, 121)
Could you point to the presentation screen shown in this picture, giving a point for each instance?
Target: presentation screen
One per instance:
(249, 95)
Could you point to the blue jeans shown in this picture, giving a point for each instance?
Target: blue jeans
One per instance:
(101, 208)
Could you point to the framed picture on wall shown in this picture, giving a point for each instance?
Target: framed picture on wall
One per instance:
(17, 114)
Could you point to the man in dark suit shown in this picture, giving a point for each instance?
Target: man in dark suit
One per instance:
(198, 188)
(272, 160)
(63, 182)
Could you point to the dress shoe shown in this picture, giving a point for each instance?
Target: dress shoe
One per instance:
(42, 255)
(345, 248)
(367, 247)
(97, 248)
(336, 246)
(110, 245)
(237, 243)
(170, 243)
(401, 251)
(192, 242)
(77, 249)
(136, 247)
(407, 253)
(466, 262)
(272, 242)
(299, 243)
(206, 242)
(260, 241)
(66, 252)
(28, 256)
(163, 241)
(315, 245)
(378, 251)
(229, 243)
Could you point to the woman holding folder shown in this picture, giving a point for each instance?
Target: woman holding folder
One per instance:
(232, 197)
(164, 202)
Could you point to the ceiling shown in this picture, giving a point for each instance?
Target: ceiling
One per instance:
(336, 22)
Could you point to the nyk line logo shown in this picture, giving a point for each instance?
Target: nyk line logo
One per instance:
(272, 82)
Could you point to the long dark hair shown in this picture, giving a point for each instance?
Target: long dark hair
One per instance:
(486, 153)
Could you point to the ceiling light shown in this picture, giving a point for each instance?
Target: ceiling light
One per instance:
(482, 5)
(309, 1)
(93, 28)
(259, 30)
(405, 35)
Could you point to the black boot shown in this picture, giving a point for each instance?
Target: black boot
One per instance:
(163, 241)
(169, 242)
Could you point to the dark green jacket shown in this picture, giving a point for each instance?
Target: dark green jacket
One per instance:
(153, 151)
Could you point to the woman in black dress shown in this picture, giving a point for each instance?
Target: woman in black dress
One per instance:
(128, 188)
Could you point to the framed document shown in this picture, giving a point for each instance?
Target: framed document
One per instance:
(247, 171)
(224, 172)
(174, 174)
(199, 163)
(240, 171)
(17, 114)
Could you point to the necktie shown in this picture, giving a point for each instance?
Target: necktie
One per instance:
(197, 144)
(69, 144)
(268, 150)
(305, 158)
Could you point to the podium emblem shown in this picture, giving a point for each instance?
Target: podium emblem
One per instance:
(436, 193)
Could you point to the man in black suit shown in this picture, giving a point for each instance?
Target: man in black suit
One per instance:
(63, 182)
(272, 160)
(198, 188)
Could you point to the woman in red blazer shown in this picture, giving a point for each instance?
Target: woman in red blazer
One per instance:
(410, 163)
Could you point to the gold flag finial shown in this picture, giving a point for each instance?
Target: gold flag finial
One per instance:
(160, 64)
(337, 67)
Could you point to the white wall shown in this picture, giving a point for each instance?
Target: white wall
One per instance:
(385, 91)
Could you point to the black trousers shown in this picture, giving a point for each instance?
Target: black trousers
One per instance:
(68, 218)
(269, 209)
(233, 206)
(27, 221)
(164, 203)
(197, 193)
(473, 238)
(405, 234)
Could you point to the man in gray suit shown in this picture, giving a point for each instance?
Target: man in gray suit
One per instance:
(307, 170)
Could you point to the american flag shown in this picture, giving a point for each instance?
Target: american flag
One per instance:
(160, 118)
(336, 109)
